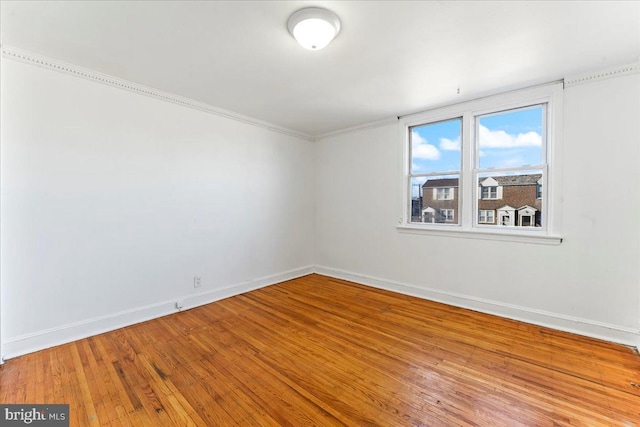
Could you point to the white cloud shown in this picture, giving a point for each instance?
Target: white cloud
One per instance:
(511, 162)
(450, 144)
(529, 139)
(421, 149)
(501, 139)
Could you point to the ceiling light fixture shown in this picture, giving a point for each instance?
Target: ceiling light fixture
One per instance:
(313, 27)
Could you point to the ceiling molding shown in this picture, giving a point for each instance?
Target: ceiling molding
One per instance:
(601, 75)
(88, 74)
(370, 125)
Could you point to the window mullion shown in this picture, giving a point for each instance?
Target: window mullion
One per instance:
(466, 173)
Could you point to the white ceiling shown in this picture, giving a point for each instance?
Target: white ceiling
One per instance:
(391, 57)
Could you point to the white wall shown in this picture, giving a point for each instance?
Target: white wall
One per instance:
(113, 201)
(587, 284)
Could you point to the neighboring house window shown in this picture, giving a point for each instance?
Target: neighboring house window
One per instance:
(489, 192)
(480, 157)
(444, 193)
(446, 215)
(486, 216)
(490, 189)
(539, 189)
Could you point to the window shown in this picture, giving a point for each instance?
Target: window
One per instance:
(435, 166)
(539, 189)
(489, 192)
(479, 167)
(490, 189)
(444, 193)
(446, 215)
(486, 216)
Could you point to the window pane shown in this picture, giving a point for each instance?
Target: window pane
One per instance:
(435, 199)
(516, 201)
(435, 147)
(510, 139)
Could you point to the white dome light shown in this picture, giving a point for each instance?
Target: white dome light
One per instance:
(313, 27)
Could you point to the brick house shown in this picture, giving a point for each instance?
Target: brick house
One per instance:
(511, 200)
(440, 201)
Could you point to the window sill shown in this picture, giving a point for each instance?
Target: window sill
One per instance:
(500, 235)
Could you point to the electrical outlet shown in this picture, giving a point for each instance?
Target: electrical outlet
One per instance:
(197, 281)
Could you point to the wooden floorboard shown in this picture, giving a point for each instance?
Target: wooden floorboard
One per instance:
(325, 352)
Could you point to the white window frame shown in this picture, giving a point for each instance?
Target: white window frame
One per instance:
(551, 96)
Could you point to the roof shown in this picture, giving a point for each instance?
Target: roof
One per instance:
(518, 179)
(505, 180)
(440, 182)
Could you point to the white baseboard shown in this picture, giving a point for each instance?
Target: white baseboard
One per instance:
(29, 343)
(52, 337)
(192, 301)
(612, 333)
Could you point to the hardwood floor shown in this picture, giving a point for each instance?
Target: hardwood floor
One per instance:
(321, 351)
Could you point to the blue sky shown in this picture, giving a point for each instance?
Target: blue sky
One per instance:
(510, 139)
